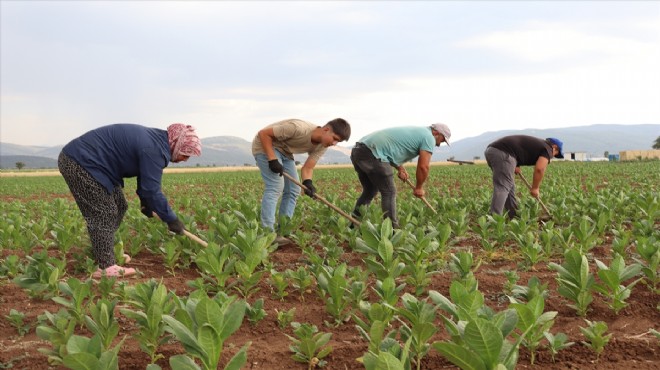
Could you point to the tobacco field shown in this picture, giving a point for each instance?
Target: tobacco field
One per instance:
(456, 289)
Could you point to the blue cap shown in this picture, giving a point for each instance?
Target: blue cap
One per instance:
(559, 144)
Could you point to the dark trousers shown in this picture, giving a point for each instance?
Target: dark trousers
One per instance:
(102, 211)
(375, 176)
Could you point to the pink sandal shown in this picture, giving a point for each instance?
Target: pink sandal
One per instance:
(114, 271)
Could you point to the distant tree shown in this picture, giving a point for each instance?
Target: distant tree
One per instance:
(476, 157)
(450, 158)
(656, 145)
(20, 165)
(606, 154)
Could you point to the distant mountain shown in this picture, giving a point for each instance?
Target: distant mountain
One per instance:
(593, 140)
(30, 161)
(221, 151)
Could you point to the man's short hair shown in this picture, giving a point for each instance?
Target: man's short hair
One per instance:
(340, 127)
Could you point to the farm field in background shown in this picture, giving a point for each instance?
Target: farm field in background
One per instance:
(456, 287)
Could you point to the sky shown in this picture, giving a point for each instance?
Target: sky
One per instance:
(229, 68)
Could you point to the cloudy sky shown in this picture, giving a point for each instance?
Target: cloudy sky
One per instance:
(230, 68)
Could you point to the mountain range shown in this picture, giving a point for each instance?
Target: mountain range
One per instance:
(221, 151)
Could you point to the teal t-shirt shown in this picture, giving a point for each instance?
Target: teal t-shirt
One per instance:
(399, 144)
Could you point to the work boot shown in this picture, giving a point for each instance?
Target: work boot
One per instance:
(114, 271)
(280, 240)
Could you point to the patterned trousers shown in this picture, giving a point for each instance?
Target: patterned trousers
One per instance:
(102, 211)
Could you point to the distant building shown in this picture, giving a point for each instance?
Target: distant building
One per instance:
(575, 156)
(633, 155)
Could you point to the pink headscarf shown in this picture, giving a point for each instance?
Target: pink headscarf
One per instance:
(183, 140)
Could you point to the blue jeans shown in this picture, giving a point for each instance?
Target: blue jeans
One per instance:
(277, 186)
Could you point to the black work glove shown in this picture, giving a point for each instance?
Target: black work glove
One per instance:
(145, 210)
(276, 166)
(311, 190)
(176, 226)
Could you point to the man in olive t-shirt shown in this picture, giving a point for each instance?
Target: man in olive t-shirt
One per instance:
(273, 148)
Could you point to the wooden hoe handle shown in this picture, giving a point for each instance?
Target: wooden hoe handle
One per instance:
(353, 220)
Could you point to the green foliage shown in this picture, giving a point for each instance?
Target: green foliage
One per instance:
(309, 345)
(534, 322)
(378, 244)
(101, 321)
(90, 354)
(79, 294)
(612, 279)
(575, 280)
(286, 317)
(333, 284)
(279, 283)
(557, 342)
(150, 300)
(41, 275)
(202, 326)
(595, 335)
(417, 325)
(255, 312)
(17, 320)
(57, 330)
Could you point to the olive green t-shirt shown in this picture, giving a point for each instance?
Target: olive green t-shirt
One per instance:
(292, 136)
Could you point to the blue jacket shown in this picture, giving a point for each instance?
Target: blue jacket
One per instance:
(114, 152)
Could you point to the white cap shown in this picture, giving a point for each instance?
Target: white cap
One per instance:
(443, 129)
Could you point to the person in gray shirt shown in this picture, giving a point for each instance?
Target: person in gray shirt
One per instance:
(505, 156)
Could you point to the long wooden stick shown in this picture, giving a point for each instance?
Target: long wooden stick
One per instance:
(423, 198)
(538, 198)
(353, 220)
(195, 238)
(189, 234)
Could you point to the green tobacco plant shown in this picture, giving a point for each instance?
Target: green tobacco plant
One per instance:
(575, 280)
(101, 321)
(309, 345)
(171, 252)
(585, 233)
(419, 254)
(89, 353)
(612, 279)
(556, 343)
(252, 250)
(17, 320)
(255, 312)
(216, 264)
(41, 275)
(649, 258)
(11, 266)
(594, 333)
(301, 279)
(534, 288)
(57, 330)
(460, 221)
(79, 294)
(333, 284)
(534, 322)
(279, 283)
(202, 326)
(384, 351)
(285, 318)
(378, 244)
(482, 346)
(150, 300)
(530, 248)
(372, 313)
(417, 325)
